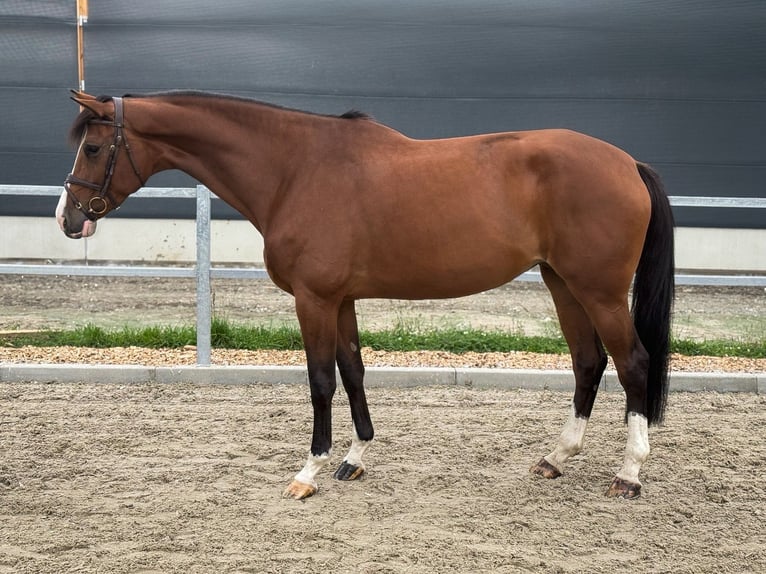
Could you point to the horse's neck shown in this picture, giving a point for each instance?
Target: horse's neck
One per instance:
(242, 152)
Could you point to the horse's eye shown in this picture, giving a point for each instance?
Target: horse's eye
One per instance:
(91, 149)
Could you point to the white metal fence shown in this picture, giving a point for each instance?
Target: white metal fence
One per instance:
(203, 271)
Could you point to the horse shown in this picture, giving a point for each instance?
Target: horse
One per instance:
(352, 209)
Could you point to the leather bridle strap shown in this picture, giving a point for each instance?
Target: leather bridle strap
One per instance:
(99, 205)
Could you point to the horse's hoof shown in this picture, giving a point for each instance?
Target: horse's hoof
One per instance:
(545, 469)
(623, 489)
(299, 490)
(348, 471)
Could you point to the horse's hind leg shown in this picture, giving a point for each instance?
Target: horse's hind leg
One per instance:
(349, 358)
(614, 324)
(588, 361)
(632, 364)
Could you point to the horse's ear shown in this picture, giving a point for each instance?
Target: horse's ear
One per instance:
(77, 94)
(95, 105)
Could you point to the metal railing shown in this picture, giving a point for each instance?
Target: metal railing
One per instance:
(203, 271)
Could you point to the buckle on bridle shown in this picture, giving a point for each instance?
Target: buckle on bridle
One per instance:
(100, 210)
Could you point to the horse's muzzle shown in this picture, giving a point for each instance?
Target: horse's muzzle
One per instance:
(86, 229)
(76, 225)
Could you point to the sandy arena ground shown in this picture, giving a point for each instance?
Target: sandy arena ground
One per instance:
(108, 479)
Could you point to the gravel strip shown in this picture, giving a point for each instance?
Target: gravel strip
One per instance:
(187, 356)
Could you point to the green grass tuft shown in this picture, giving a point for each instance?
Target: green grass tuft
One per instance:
(459, 340)
(748, 349)
(224, 335)
(402, 337)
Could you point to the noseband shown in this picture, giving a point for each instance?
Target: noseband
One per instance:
(99, 205)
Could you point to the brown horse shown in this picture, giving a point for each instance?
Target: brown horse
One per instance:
(351, 209)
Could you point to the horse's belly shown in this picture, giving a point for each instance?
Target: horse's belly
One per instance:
(427, 282)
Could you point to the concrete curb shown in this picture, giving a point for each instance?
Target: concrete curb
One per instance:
(374, 377)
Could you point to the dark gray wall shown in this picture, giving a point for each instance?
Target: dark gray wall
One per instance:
(38, 63)
(680, 84)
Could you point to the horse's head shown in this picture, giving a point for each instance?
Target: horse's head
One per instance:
(105, 170)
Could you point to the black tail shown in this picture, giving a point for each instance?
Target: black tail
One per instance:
(653, 293)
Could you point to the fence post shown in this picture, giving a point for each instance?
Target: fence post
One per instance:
(204, 307)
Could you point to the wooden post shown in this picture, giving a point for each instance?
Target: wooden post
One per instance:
(82, 18)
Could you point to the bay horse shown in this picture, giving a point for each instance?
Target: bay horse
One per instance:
(351, 209)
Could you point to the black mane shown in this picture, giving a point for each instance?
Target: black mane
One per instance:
(355, 115)
(81, 122)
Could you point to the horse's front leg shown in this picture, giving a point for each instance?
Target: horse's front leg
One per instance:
(349, 358)
(318, 320)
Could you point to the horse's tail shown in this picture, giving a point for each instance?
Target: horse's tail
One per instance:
(653, 293)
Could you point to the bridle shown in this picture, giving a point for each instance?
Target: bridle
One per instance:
(98, 205)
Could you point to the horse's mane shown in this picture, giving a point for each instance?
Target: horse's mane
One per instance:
(81, 121)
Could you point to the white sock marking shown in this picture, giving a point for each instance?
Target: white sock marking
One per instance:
(570, 441)
(636, 449)
(312, 467)
(358, 447)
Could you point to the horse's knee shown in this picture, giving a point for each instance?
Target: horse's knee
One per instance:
(352, 374)
(322, 391)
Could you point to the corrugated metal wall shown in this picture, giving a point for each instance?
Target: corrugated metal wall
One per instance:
(680, 84)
